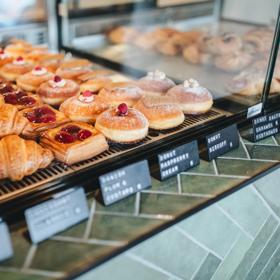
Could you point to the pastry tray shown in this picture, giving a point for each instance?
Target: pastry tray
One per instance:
(56, 171)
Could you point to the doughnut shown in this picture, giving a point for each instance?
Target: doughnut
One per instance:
(155, 82)
(194, 55)
(191, 97)
(123, 92)
(122, 34)
(95, 74)
(218, 45)
(35, 54)
(84, 107)
(18, 48)
(32, 80)
(51, 61)
(160, 116)
(122, 124)
(4, 58)
(11, 71)
(56, 90)
(73, 68)
(233, 62)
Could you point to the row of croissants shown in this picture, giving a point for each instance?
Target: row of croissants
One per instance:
(52, 107)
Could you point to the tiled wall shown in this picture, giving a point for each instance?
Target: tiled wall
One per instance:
(236, 238)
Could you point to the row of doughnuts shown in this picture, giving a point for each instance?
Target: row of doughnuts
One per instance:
(74, 115)
(228, 52)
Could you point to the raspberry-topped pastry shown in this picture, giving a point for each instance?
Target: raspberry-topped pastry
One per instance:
(40, 119)
(57, 89)
(32, 80)
(122, 124)
(74, 142)
(4, 58)
(84, 107)
(19, 66)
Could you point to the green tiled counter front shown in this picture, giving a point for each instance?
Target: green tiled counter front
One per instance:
(216, 243)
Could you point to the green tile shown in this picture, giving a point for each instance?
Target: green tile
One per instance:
(169, 185)
(20, 276)
(268, 140)
(75, 231)
(236, 153)
(21, 247)
(208, 268)
(173, 252)
(64, 256)
(110, 227)
(167, 204)
(204, 167)
(205, 227)
(264, 256)
(255, 249)
(241, 167)
(247, 209)
(276, 273)
(271, 265)
(212, 185)
(126, 205)
(264, 152)
(233, 258)
(123, 268)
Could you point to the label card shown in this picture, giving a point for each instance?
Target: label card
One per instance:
(178, 159)
(254, 110)
(265, 126)
(57, 214)
(222, 141)
(125, 181)
(6, 249)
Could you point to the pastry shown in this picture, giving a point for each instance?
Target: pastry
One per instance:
(160, 116)
(155, 82)
(35, 54)
(32, 80)
(84, 107)
(116, 93)
(145, 41)
(7, 86)
(95, 84)
(122, 124)
(11, 71)
(21, 99)
(18, 48)
(11, 121)
(92, 75)
(4, 58)
(194, 55)
(122, 34)
(233, 62)
(56, 90)
(191, 97)
(217, 45)
(51, 61)
(74, 142)
(73, 68)
(19, 157)
(40, 119)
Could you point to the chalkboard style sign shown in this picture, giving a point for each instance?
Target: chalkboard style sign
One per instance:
(6, 249)
(57, 214)
(120, 183)
(221, 142)
(174, 161)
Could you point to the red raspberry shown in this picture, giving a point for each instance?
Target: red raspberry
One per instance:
(122, 109)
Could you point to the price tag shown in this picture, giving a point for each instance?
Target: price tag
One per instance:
(222, 141)
(125, 181)
(254, 110)
(57, 214)
(177, 160)
(6, 249)
(265, 126)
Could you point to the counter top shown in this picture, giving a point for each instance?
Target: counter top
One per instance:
(111, 230)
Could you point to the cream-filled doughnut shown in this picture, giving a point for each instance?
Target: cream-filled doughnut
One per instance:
(122, 124)
(4, 58)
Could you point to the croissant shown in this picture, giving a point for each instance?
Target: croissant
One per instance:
(11, 122)
(19, 157)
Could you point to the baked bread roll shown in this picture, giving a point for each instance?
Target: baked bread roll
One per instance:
(85, 107)
(32, 80)
(74, 142)
(191, 97)
(11, 121)
(40, 119)
(159, 114)
(19, 157)
(122, 34)
(155, 82)
(123, 125)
